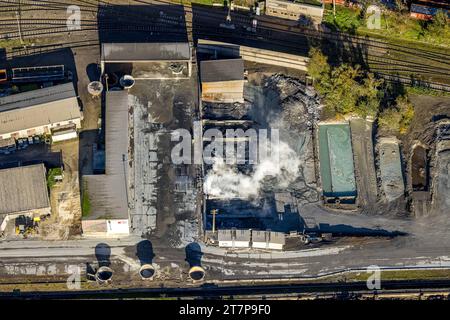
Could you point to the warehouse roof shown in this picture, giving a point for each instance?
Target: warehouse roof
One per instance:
(23, 188)
(222, 70)
(108, 192)
(130, 52)
(38, 107)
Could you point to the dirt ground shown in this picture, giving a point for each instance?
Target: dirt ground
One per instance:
(428, 111)
(65, 220)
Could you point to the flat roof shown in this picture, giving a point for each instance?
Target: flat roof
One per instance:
(222, 70)
(234, 234)
(23, 188)
(336, 160)
(268, 236)
(315, 3)
(108, 192)
(38, 108)
(134, 52)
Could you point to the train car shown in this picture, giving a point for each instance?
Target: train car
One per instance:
(37, 74)
(427, 9)
(3, 76)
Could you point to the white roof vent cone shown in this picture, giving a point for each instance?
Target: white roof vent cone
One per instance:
(127, 81)
(147, 272)
(197, 273)
(95, 88)
(103, 275)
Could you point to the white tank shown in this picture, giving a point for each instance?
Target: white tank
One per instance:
(95, 88)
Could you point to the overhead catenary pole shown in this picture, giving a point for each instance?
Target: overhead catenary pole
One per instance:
(214, 212)
(334, 8)
(18, 18)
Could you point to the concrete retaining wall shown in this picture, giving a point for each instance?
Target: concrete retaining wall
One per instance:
(253, 54)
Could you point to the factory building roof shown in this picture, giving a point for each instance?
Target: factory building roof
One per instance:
(222, 70)
(38, 108)
(23, 188)
(135, 52)
(108, 192)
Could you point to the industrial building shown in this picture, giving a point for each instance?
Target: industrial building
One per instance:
(298, 10)
(257, 239)
(222, 80)
(108, 193)
(23, 191)
(39, 112)
(147, 60)
(336, 163)
(268, 240)
(233, 238)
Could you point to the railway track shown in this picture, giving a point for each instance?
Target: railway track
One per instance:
(351, 290)
(383, 58)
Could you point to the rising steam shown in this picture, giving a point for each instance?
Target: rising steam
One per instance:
(226, 182)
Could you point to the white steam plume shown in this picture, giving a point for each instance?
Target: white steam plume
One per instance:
(224, 181)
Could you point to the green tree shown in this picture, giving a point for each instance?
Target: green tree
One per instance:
(397, 119)
(318, 64)
(439, 26)
(369, 96)
(345, 89)
(440, 20)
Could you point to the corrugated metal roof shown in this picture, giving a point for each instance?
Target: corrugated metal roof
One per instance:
(222, 70)
(23, 188)
(108, 192)
(129, 52)
(38, 108)
(37, 97)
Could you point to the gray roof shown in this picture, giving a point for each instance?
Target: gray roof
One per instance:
(132, 52)
(108, 192)
(38, 108)
(222, 70)
(37, 97)
(268, 236)
(230, 234)
(23, 188)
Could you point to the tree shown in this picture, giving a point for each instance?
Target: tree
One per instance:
(397, 119)
(440, 20)
(369, 96)
(439, 25)
(345, 89)
(407, 112)
(318, 64)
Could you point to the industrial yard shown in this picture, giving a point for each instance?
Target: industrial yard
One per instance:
(342, 194)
